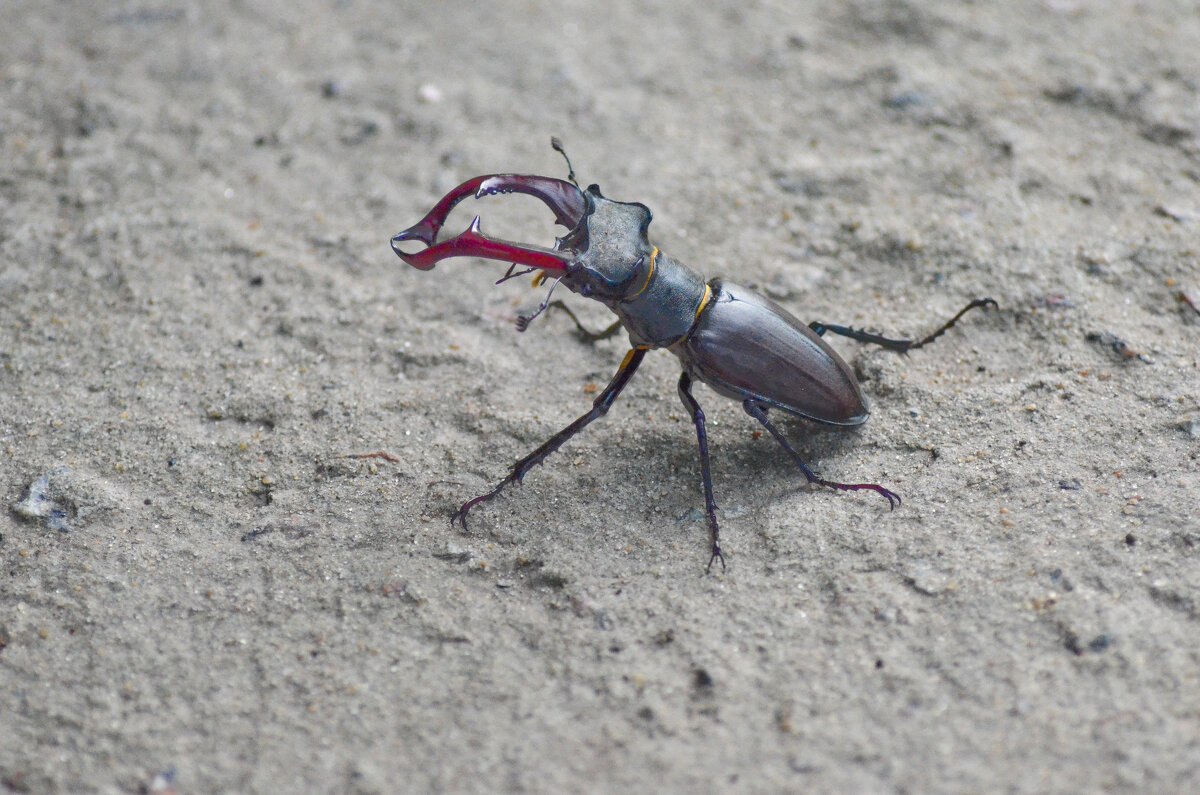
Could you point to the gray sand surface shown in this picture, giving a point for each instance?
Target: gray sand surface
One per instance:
(201, 323)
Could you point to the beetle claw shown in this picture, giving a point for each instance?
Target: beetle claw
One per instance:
(716, 555)
(892, 497)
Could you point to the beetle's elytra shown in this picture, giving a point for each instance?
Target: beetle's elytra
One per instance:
(741, 344)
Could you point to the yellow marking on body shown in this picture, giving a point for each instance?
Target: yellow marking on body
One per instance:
(703, 303)
(649, 276)
(541, 277)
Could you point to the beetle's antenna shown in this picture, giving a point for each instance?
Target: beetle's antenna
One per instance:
(558, 147)
(523, 321)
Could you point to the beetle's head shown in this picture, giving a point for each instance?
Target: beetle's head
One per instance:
(610, 253)
(605, 254)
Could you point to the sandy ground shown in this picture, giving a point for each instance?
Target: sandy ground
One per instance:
(200, 320)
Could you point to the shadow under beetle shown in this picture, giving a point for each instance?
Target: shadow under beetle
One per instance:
(741, 344)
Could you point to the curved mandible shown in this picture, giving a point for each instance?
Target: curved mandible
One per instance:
(565, 200)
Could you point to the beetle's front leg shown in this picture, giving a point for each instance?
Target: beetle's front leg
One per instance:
(600, 407)
(710, 505)
(900, 346)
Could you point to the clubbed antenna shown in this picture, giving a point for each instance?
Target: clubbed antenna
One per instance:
(558, 147)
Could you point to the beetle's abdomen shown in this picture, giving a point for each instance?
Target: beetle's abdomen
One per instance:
(745, 345)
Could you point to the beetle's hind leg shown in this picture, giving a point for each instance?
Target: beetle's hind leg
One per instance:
(759, 412)
(900, 346)
(600, 407)
(710, 505)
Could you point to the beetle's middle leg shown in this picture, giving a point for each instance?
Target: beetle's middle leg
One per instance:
(710, 505)
(600, 407)
(759, 412)
(586, 334)
(900, 346)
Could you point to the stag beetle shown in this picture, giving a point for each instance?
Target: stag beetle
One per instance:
(741, 344)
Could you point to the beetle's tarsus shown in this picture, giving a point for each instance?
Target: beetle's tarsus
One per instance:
(460, 515)
(516, 476)
(759, 412)
(899, 346)
(892, 497)
(978, 302)
(716, 555)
